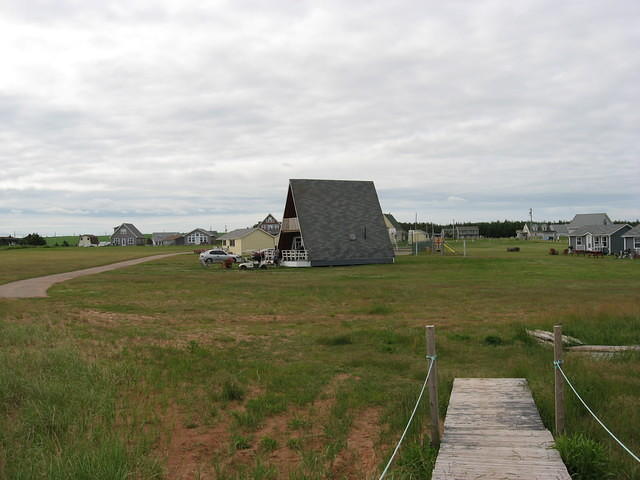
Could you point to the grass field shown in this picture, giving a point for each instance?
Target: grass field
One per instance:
(170, 370)
(20, 263)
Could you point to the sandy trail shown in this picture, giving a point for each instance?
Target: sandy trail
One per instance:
(37, 287)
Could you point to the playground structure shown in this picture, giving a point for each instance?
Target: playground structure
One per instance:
(439, 245)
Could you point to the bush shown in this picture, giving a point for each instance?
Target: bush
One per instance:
(33, 239)
(231, 391)
(585, 458)
(493, 340)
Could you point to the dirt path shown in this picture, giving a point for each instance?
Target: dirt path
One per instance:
(37, 287)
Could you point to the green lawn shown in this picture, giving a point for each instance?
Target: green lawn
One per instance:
(171, 370)
(20, 263)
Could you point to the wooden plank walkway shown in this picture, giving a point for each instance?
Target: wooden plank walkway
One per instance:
(493, 431)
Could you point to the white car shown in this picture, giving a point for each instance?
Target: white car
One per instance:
(217, 255)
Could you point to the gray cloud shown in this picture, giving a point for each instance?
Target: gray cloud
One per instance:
(156, 110)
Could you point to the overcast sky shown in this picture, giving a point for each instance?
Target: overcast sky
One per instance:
(182, 114)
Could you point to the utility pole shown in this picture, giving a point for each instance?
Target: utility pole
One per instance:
(415, 228)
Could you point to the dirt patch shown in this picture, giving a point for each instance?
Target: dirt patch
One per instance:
(190, 448)
(359, 459)
(286, 458)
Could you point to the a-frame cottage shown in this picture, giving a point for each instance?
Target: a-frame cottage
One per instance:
(333, 222)
(127, 234)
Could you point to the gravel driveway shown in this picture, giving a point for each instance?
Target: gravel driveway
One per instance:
(37, 287)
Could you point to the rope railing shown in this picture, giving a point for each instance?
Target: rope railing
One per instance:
(558, 365)
(432, 359)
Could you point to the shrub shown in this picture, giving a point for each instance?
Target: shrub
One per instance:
(493, 340)
(231, 391)
(586, 459)
(33, 239)
(336, 340)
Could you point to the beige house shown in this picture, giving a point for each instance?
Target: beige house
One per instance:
(246, 240)
(416, 236)
(88, 241)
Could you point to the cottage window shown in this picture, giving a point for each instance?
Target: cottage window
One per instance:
(232, 243)
(636, 242)
(597, 240)
(578, 240)
(605, 241)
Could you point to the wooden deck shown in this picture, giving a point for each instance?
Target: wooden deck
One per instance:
(493, 431)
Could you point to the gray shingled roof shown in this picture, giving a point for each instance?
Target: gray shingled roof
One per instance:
(596, 229)
(210, 233)
(634, 232)
(341, 222)
(157, 236)
(131, 227)
(239, 233)
(584, 219)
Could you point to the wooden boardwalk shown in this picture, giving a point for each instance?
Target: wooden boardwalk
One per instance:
(493, 432)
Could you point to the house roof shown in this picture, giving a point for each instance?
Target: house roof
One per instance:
(341, 222)
(163, 235)
(171, 238)
(597, 229)
(634, 232)
(394, 222)
(539, 227)
(560, 228)
(269, 219)
(207, 232)
(584, 219)
(131, 227)
(241, 233)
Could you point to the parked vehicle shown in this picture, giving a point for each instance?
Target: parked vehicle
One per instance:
(217, 255)
(253, 264)
(261, 259)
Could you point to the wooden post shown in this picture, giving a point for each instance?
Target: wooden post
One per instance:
(433, 386)
(559, 383)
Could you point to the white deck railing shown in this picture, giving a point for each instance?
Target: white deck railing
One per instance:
(295, 256)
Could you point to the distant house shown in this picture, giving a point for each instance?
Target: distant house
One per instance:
(561, 229)
(11, 241)
(537, 231)
(632, 239)
(245, 240)
(270, 225)
(88, 241)
(127, 234)
(177, 239)
(200, 236)
(157, 238)
(459, 232)
(396, 232)
(414, 236)
(599, 238)
(333, 222)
